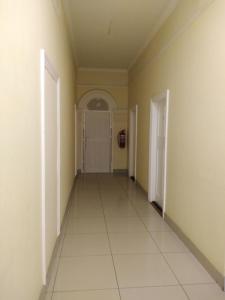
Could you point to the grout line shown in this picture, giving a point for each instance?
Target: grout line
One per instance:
(107, 233)
(62, 239)
(115, 289)
(100, 195)
(162, 254)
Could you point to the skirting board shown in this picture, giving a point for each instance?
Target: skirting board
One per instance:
(57, 245)
(219, 278)
(120, 171)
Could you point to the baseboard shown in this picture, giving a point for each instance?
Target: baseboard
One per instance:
(218, 277)
(120, 171)
(44, 287)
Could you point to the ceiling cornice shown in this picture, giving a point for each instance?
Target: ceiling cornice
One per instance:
(168, 9)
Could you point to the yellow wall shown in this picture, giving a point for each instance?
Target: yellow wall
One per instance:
(187, 56)
(116, 84)
(25, 27)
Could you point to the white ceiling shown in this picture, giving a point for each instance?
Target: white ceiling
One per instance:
(112, 33)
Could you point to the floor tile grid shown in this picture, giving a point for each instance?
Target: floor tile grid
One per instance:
(160, 251)
(125, 193)
(107, 232)
(164, 256)
(51, 283)
(62, 238)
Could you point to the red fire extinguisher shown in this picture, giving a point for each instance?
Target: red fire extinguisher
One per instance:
(121, 137)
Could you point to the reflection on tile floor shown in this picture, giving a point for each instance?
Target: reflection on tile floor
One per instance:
(116, 246)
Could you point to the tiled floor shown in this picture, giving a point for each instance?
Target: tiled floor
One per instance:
(114, 245)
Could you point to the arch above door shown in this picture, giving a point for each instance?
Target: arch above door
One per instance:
(97, 100)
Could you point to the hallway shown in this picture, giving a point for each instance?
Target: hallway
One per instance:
(114, 245)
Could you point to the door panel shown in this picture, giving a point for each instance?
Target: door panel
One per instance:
(160, 153)
(97, 142)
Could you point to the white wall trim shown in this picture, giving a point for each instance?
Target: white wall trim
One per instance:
(45, 64)
(152, 148)
(75, 138)
(132, 142)
(99, 86)
(108, 70)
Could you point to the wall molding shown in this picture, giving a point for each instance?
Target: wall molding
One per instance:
(106, 85)
(218, 277)
(108, 70)
(167, 11)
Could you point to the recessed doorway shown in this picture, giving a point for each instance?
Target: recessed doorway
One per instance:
(158, 150)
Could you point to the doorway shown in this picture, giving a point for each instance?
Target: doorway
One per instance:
(97, 142)
(133, 143)
(158, 150)
(50, 160)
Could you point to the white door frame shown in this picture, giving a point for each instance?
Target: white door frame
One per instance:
(45, 64)
(75, 138)
(133, 142)
(153, 150)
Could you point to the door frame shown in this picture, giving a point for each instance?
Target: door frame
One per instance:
(75, 138)
(133, 142)
(153, 149)
(83, 136)
(45, 64)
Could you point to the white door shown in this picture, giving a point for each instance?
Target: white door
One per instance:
(50, 165)
(50, 160)
(160, 152)
(97, 142)
(133, 143)
(158, 149)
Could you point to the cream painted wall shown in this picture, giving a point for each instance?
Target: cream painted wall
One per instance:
(115, 83)
(26, 27)
(187, 56)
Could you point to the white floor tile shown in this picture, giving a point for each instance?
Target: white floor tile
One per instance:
(127, 243)
(125, 210)
(128, 224)
(88, 295)
(168, 242)
(154, 293)
(86, 244)
(143, 270)
(86, 211)
(146, 210)
(205, 292)
(85, 273)
(155, 223)
(86, 225)
(187, 269)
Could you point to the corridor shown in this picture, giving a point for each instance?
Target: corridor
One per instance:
(114, 245)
